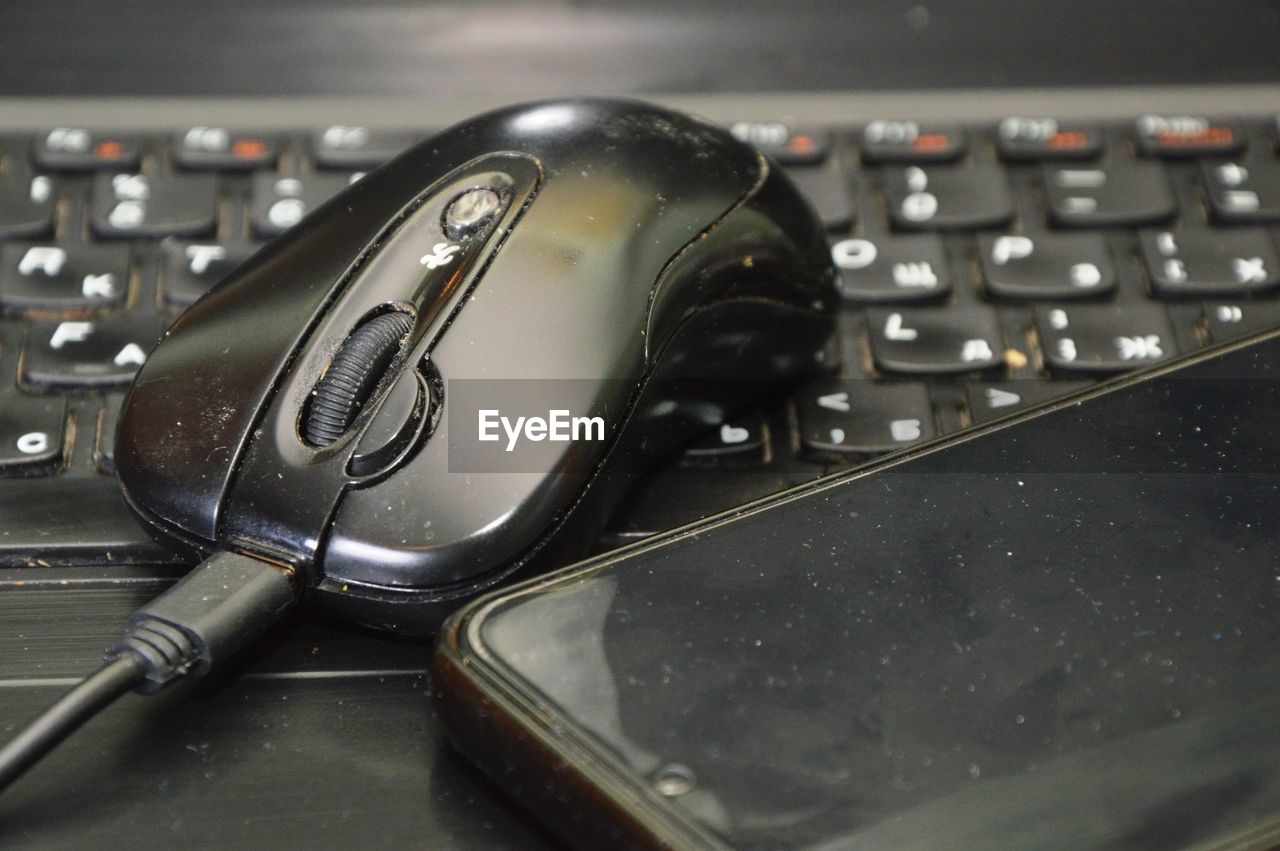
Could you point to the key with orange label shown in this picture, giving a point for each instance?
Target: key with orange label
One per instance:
(220, 148)
(1186, 136)
(911, 141)
(78, 149)
(1020, 138)
(786, 143)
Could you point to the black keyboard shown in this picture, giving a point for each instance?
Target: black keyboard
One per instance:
(985, 268)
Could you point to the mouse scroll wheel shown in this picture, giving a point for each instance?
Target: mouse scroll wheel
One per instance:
(352, 376)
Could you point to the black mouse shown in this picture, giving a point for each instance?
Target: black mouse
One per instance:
(632, 273)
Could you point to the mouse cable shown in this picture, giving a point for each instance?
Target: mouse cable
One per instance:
(214, 611)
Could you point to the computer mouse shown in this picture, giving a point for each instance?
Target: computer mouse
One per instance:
(446, 373)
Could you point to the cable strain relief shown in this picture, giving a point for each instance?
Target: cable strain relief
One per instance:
(210, 615)
(164, 651)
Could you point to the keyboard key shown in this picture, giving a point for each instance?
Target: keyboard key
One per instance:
(1186, 136)
(892, 268)
(26, 205)
(32, 433)
(73, 520)
(744, 437)
(787, 144)
(139, 205)
(1047, 139)
(279, 203)
(829, 189)
(50, 277)
(948, 198)
(1243, 190)
(935, 341)
(852, 416)
(220, 148)
(78, 149)
(1120, 193)
(669, 498)
(1046, 265)
(191, 269)
(104, 452)
(1104, 338)
(80, 354)
(1230, 320)
(353, 147)
(911, 141)
(1200, 261)
(989, 400)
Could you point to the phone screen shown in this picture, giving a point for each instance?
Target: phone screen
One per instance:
(1061, 631)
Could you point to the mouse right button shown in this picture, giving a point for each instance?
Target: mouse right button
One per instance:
(394, 428)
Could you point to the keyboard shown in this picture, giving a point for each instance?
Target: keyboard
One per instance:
(123, 256)
(985, 267)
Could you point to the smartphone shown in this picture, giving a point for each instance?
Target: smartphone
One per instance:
(1059, 630)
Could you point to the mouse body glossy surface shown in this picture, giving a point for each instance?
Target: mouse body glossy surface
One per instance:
(627, 263)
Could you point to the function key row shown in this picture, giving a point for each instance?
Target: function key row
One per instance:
(217, 148)
(1016, 138)
(355, 147)
(81, 149)
(924, 185)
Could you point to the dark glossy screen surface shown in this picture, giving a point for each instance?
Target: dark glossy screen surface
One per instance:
(510, 51)
(1061, 633)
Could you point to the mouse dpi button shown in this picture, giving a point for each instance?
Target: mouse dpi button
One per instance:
(470, 211)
